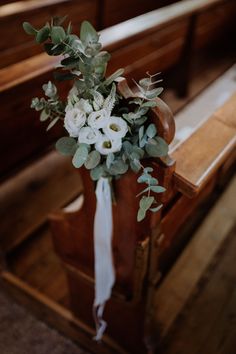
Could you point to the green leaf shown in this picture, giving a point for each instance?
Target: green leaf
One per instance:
(52, 123)
(146, 202)
(146, 82)
(144, 178)
(87, 33)
(42, 35)
(109, 160)
(149, 104)
(69, 28)
(154, 210)
(151, 130)
(113, 77)
(44, 115)
(135, 166)
(80, 156)
(29, 29)
(140, 133)
(154, 93)
(141, 214)
(97, 172)
(118, 167)
(66, 146)
(93, 160)
(156, 147)
(57, 34)
(158, 189)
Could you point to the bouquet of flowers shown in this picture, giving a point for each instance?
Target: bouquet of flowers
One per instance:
(105, 133)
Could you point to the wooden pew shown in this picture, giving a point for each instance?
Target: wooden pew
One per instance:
(113, 12)
(193, 169)
(32, 143)
(22, 81)
(137, 36)
(17, 45)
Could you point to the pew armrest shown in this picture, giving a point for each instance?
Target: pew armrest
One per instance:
(198, 157)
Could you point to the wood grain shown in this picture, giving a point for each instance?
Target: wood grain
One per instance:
(200, 156)
(28, 197)
(176, 288)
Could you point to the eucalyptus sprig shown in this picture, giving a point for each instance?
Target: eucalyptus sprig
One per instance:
(107, 134)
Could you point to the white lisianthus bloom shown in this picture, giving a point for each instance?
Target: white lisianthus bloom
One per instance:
(116, 128)
(98, 119)
(106, 145)
(89, 135)
(74, 120)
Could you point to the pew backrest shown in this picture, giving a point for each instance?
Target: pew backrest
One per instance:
(149, 42)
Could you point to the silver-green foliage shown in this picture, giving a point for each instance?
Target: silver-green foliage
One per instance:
(84, 62)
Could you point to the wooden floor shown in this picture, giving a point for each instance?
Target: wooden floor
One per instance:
(207, 325)
(36, 262)
(200, 290)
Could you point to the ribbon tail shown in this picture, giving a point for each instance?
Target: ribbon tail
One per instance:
(104, 269)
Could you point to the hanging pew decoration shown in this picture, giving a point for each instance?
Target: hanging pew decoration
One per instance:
(105, 133)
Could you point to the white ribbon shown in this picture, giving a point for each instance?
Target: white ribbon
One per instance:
(104, 269)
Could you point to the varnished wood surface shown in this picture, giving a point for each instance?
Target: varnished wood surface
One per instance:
(153, 21)
(207, 323)
(182, 279)
(37, 264)
(204, 151)
(16, 44)
(28, 197)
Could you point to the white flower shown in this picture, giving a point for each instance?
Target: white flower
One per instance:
(98, 119)
(116, 128)
(89, 135)
(106, 145)
(84, 106)
(74, 120)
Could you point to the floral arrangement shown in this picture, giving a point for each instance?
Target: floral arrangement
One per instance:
(107, 134)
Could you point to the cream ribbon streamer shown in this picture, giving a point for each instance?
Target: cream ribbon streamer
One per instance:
(104, 269)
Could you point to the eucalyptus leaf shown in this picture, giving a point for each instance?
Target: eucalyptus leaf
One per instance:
(156, 147)
(151, 130)
(44, 115)
(154, 93)
(52, 123)
(141, 214)
(150, 104)
(110, 160)
(97, 172)
(66, 146)
(113, 77)
(80, 156)
(154, 210)
(57, 34)
(148, 169)
(157, 189)
(145, 202)
(29, 29)
(42, 35)
(93, 160)
(118, 167)
(135, 166)
(87, 33)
